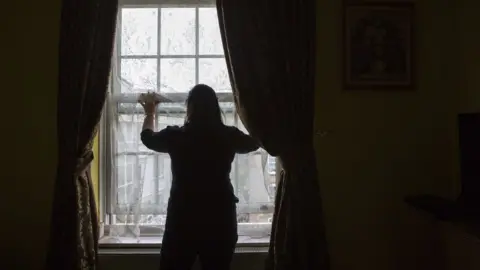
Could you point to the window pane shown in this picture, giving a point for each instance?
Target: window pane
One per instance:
(139, 31)
(135, 173)
(229, 115)
(122, 194)
(272, 165)
(127, 135)
(254, 185)
(210, 41)
(259, 182)
(138, 75)
(213, 72)
(170, 119)
(164, 180)
(177, 75)
(177, 31)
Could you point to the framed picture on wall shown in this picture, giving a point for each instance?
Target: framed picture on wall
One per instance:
(377, 45)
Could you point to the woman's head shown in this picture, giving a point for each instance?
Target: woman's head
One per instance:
(203, 106)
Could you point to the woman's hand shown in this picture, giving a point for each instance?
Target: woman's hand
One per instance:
(149, 103)
(150, 107)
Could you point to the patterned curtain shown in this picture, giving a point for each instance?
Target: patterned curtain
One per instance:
(270, 52)
(85, 49)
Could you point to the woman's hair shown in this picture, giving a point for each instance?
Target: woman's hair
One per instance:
(202, 106)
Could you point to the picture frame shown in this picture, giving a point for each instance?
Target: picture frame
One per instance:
(378, 45)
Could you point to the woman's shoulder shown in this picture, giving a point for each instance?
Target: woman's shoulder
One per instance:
(173, 128)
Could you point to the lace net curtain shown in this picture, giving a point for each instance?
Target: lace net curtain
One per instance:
(140, 179)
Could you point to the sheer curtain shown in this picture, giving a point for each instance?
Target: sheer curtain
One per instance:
(139, 179)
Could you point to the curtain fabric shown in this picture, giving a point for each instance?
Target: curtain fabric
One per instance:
(86, 40)
(270, 52)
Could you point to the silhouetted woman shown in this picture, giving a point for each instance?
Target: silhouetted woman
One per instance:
(201, 214)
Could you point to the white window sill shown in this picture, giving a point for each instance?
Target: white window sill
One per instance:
(152, 245)
(156, 241)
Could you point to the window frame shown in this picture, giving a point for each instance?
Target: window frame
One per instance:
(106, 169)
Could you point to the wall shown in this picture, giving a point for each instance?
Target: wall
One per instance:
(466, 21)
(384, 145)
(463, 248)
(29, 86)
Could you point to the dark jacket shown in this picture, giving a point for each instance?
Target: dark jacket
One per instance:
(201, 159)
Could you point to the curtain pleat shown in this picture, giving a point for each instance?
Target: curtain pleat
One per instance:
(85, 49)
(270, 53)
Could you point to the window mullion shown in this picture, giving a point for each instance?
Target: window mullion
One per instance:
(118, 54)
(111, 112)
(156, 171)
(159, 86)
(159, 47)
(197, 43)
(139, 57)
(113, 176)
(176, 56)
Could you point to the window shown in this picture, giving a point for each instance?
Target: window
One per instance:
(169, 49)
